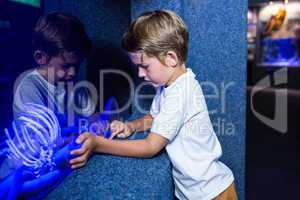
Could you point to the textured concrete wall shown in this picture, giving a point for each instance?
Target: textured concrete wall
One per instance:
(217, 55)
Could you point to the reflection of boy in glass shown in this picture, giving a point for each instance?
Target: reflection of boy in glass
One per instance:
(60, 45)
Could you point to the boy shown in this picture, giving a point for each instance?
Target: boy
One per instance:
(157, 43)
(60, 44)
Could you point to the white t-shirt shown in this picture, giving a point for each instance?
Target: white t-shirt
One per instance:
(33, 88)
(181, 116)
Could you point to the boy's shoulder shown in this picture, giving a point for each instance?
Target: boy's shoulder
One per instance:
(28, 75)
(29, 82)
(184, 84)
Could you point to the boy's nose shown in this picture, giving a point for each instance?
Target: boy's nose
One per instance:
(142, 72)
(71, 72)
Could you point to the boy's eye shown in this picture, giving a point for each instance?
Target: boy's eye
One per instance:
(144, 66)
(67, 66)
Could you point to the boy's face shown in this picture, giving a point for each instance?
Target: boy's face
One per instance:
(62, 67)
(151, 69)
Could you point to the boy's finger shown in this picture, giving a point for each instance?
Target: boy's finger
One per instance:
(82, 137)
(80, 151)
(76, 166)
(76, 152)
(73, 161)
(114, 133)
(121, 135)
(84, 148)
(77, 160)
(113, 123)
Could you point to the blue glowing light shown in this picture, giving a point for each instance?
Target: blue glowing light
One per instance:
(35, 144)
(36, 135)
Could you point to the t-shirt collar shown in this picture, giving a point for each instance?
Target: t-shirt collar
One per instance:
(188, 74)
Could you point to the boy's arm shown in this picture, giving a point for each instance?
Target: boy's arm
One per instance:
(142, 124)
(24, 94)
(123, 130)
(145, 148)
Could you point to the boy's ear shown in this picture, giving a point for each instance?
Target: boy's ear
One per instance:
(171, 59)
(40, 57)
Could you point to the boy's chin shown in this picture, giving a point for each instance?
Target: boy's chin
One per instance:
(64, 82)
(67, 80)
(155, 85)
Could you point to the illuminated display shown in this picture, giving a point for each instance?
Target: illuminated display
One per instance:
(37, 134)
(35, 3)
(35, 146)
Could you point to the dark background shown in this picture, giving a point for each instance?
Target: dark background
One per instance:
(272, 164)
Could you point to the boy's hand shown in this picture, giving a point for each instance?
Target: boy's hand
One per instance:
(120, 129)
(88, 141)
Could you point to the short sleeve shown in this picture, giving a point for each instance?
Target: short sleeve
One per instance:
(170, 117)
(26, 93)
(154, 110)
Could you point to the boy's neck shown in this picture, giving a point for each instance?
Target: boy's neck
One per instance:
(179, 70)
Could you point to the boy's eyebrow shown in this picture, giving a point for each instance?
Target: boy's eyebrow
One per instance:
(136, 64)
(140, 64)
(71, 64)
(76, 59)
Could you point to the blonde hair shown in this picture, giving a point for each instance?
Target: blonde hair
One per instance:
(157, 32)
